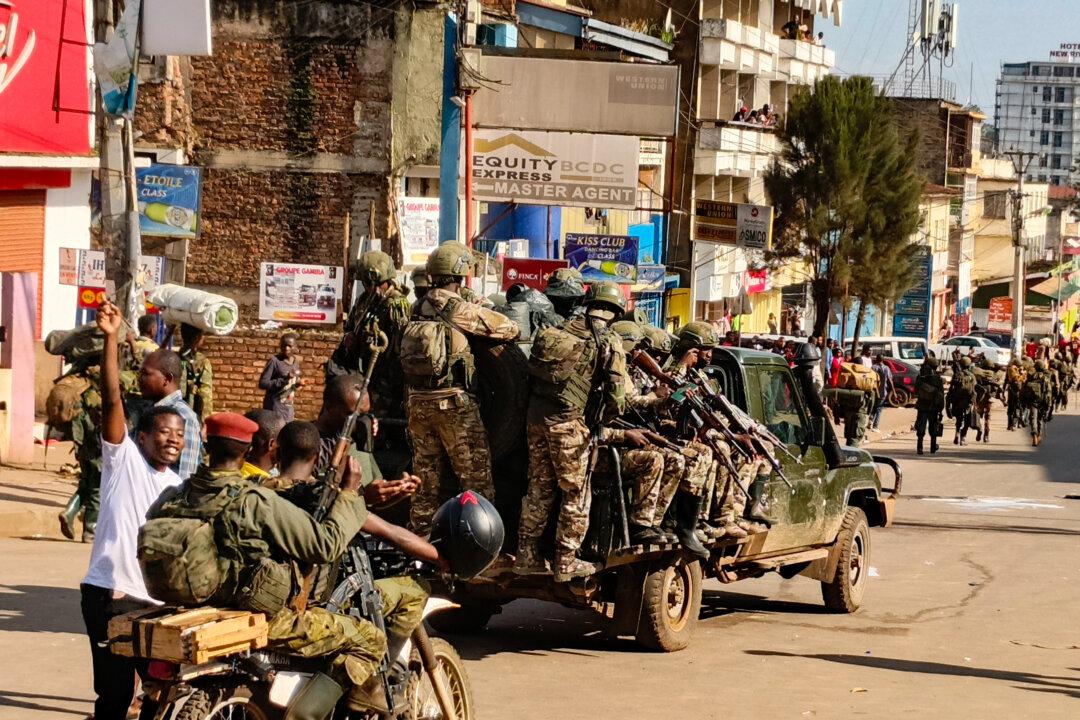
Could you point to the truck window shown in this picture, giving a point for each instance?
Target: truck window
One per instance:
(911, 350)
(780, 405)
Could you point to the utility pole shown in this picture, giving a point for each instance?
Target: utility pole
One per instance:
(1020, 160)
(119, 201)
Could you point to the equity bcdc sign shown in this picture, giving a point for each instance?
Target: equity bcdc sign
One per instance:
(552, 168)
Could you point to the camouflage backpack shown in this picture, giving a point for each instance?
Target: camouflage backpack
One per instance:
(64, 402)
(435, 353)
(562, 362)
(182, 560)
(962, 387)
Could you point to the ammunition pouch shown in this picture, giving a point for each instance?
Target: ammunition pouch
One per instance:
(266, 587)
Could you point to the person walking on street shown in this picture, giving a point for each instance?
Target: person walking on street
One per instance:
(1015, 375)
(929, 404)
(885, 388)
(1037, 395)
(960, 401)
(135, 471)
(281, 377)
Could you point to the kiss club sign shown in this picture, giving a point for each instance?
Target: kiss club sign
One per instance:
(44, 84)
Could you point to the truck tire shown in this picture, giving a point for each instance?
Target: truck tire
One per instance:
(844, 593)
(470, 618)
(670, 604)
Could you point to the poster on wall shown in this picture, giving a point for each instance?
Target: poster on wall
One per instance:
(168, 197)
(307, 294)
(603, 257)
(418, 225)
(740, 224)
(650, 279)
(86, 269)
(533, 272)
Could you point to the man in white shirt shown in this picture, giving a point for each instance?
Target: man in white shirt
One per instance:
(134, 472)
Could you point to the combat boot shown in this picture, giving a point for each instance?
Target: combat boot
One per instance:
(88, 529)
(529, 562)
(919, 445)
(986, 435)
(687, 509)
(956, 439)
(644, 535)
(933, 444)
(568, 567)
(68, 515)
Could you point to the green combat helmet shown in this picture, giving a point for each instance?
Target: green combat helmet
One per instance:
(988, 364)
(657, 339)
(451, 259)
(697, 334)
(606, 295)
(1040, 365)
(375, 267)
(419, 279)
(565, 283)
(965, 362)
(630, 332)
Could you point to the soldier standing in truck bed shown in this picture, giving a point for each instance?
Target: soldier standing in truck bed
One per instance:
(438, 367)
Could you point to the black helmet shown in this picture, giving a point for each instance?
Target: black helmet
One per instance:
(807, 354)
(468, 531)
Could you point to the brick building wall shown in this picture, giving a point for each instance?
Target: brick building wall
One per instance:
(238, 360)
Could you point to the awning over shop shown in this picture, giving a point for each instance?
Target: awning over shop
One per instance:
(1055, 288)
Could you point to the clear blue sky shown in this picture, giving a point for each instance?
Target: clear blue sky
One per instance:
(872, 37)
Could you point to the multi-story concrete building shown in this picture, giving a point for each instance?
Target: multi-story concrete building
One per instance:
(1038, 111)
(751, 54)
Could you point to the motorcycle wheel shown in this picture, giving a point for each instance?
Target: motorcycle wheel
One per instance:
(420, 700)
(230, 703)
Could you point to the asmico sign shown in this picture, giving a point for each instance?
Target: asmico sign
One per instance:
(555, 168)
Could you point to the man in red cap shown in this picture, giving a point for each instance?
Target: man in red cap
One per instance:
(260, 535)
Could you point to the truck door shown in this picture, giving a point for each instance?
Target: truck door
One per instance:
(798, 511)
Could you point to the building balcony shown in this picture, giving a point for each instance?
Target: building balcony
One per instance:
(804, 62)
(731, 45)
(734, 149)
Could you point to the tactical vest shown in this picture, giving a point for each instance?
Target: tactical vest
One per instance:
(562, 363)
(435, 352)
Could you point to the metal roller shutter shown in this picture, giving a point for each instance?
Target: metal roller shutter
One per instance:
(22, 235)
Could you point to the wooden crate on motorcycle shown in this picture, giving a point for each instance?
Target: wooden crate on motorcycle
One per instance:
(186, 636)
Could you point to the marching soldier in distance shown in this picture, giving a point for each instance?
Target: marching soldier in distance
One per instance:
(987, 387)
(1014, 380)
(1037, 394)
(960, 400)
(929, 404)
(438, 365)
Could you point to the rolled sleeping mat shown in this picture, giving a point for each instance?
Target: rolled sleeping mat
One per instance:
(210, 313)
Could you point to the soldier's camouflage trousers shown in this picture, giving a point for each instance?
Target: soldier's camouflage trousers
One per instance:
(446, 430)
(646, 472)
(855, 424)
(558, 459)
(357, 646)
(686, 469)
(966, 419)
(1036, 418)
(1015, 409)
(403, 600)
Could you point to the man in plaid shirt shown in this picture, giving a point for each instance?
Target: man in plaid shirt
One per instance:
(159, 384)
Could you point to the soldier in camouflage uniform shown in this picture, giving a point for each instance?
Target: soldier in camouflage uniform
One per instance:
(1063, 371)
(987, 387)
(197, 375)
(86, 434)
(1014, 380)
(565, 289)
(578, 380)
(960, 400)
(443, 413)
(1037, 394)
(929, 404)
(420, 285)
(382, 307)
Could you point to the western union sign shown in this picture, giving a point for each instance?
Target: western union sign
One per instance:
(740, 224)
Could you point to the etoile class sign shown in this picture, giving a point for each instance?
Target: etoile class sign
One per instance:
(1066, 52)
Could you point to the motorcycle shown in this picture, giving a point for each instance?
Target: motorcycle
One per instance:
(426, 681)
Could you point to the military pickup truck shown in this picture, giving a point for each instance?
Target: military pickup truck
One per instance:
(821, 530)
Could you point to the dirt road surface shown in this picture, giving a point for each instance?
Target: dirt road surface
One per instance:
(972, 612)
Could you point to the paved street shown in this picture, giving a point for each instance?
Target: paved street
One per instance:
(972, 613)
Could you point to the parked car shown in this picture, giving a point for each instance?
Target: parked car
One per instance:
(904, 374)
(1001, 339)
(908, 349)
(971, 345)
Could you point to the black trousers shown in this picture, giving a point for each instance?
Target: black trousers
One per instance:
(114, 675)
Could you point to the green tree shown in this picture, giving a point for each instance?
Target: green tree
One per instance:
(846, 193)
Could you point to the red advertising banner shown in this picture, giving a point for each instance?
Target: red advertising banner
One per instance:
(36, 69)
(533, 272)
(1001, 310)
(961, 324)
(91, 298)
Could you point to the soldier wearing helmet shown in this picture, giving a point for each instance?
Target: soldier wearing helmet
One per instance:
(960, 400)
(657, 342)
(929, 404)
(381, 308)
(1015, 375)
(566, 290)
(437, 361)
(1036, 395)
(578, 374)
(693, 347)
(420, 284)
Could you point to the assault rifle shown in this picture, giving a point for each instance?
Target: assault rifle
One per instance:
(741, 432)
(336, 468)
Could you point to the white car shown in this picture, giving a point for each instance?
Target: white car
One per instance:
(971, 345)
